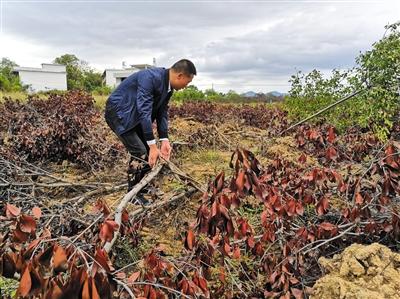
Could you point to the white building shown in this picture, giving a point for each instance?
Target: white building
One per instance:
(113, 77)
(49, 77)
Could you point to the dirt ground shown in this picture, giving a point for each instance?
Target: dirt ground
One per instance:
(360, 272)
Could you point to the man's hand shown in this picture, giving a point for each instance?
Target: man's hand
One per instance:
(153, 155)
(165, 149)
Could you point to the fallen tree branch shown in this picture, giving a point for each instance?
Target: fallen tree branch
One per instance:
(53, 185)
(29, 169)
(225, 140)
(125, 287)
(175, 169)
(87, 228)
(162, 203)
(78, 199)
(131, 194)
(326, 241)
(157, 285)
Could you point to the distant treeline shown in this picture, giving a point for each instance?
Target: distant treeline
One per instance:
(192, 93)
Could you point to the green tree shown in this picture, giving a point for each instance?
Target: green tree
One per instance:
(232, 96)
(79, 74)
(190, 93)
(75, 68)
(311, 92)
(376, 108)
(380, 69)
(9, 81)
(92, 80)
(212, 95)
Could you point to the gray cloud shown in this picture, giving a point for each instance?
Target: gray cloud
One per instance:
(233, 44)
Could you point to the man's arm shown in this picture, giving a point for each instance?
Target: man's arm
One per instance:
(162, 122)
(145, 100)
(144, 103)
(162, 129)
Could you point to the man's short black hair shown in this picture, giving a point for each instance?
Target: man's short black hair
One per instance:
(184, 66)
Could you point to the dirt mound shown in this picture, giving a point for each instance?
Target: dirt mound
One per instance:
(361, 271)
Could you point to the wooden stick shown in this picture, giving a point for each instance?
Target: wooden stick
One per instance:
(223, 138)
(151, 208)
(175, 169)
(157, 285)
(326, 241)
(125, 287)
(78, 199)
(56, 185)
(131, 194)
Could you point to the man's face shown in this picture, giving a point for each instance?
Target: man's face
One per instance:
(181, 81)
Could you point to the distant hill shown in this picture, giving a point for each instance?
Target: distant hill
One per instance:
(272, 96)
(249, 94)
(252, 94)
(276, 93)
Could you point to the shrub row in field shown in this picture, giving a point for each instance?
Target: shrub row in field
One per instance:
(260, 116)
(63, 127)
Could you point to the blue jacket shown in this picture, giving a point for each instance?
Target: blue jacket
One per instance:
(139, 100)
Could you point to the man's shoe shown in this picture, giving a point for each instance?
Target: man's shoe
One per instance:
(141, 200)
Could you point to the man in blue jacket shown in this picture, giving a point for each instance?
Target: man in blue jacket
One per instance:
(135, 104)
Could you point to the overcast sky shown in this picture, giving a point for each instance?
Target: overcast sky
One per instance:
(239, 45)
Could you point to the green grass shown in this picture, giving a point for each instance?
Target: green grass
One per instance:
(100, 101)
(20, 95)
(8, 287)
(208, 156)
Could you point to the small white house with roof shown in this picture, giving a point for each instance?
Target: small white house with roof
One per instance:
(113, 77)
(49, 77)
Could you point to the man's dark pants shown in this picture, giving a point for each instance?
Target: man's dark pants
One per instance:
(136, 145)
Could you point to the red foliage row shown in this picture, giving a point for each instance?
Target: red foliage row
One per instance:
(61, 267)
(42, 262)
(63, 127)
(288, 193)
(324, 143)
